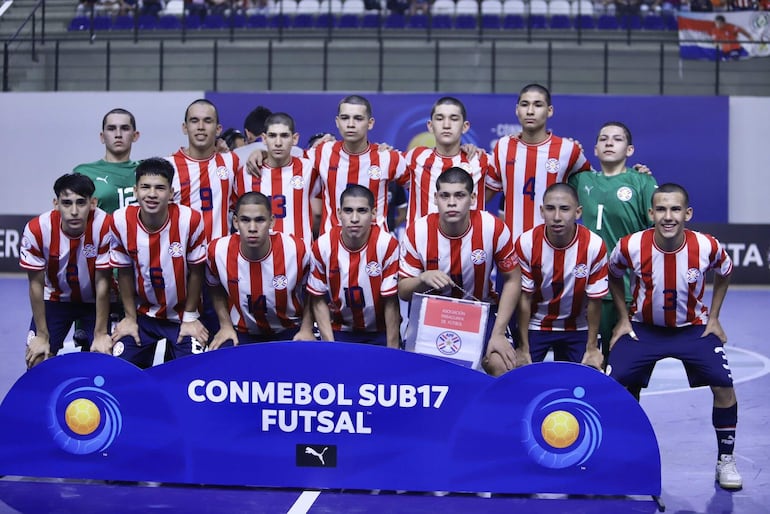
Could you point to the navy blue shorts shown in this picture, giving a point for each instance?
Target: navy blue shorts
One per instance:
(568, 345)
(59, 316)
(151, 331)
(631, 362)
(375, 338)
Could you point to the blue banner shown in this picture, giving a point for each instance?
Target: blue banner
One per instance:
(330, 415)
(681, 139)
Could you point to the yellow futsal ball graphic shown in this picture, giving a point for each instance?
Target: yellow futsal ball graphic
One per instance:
(426, 139)
(560, 429)
(82, 416)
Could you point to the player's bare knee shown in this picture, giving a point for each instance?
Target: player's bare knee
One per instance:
(724, 396)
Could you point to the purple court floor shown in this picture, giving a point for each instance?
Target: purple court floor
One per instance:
(680, 416)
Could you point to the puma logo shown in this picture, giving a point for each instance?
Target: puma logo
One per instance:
(320, 456)
(588, 189)
(103, 179)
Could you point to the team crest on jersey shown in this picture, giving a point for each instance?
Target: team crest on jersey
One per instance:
(552, 165)
(624, 194)
(373, 269)
(222, 172)
(280, 282)
(375, 172)
(692, 276)
(118, 349)
(478, 256)
(176, 249)
(581, 271)
(297, 182)
(26, 244)
(448, 343)
(89, 251)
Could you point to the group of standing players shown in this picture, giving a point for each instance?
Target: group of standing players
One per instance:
(204, 249)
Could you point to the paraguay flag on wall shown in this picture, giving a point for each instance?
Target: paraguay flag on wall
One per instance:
(723, 35)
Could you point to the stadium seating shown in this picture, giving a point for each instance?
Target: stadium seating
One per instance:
(150, 22)
(446, 7)
(630, 22)
(124, 22)
(353, 7)
(349, 21)
(371, 21)
(466, 7)
(394, 21)
(441, 21)
(213, 22)
(607, 22)
(417, 22)
(466, 21)
(560, 21)
(585, 22)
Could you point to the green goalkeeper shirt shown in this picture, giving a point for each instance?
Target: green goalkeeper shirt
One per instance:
(114, 182)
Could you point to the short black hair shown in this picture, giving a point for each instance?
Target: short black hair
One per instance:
(356, 100)
(455, 175)
(449, 100)
(255, 120)
(619, 124)
(118, 110)
(155, 166)
(279, 118)
(671, 187)
(536, 87)
(563, 187)
(358, 191)
(75, 182)
(253, 198)
(204, 102)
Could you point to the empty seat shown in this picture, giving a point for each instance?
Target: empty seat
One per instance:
(466, 7)
(466, 21)
(150, 22)
(441, 21)
(491, 7)
(237, 21)
(303, 20)
(559, 7)
(560, 21)
(394, 21)
(582, 7)
(257, 21)
(213, 22)
(417, 21)
(349, 21)
(442, 7)
(332, 6)
(491, 21)
(325, 20)
(102, 22)
(79, 23)
(538, 7)
(538, 21)
(607, 22)
(192, 22)
(514, 7)
(630, 22)
(585, 21)
(370, 21)
(285, 7)
(513, 21)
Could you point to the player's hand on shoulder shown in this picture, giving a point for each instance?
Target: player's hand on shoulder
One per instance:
(642, 168)
(577, 142)
(384, 147)
(470, 150)
(254, 162)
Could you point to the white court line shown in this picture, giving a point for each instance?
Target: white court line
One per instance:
(304, 502)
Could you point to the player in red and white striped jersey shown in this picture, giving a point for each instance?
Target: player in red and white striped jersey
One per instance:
(204, 178)
(287, 181)
(668, 318)
(456, 249)
(61, 251)
(159, 250)
(563, 280)
(448, 122)
(526, 164)
(257, 279)
(355, 160)
(354, 277)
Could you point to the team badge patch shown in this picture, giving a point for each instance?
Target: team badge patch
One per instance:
(176, 249)
(478, 256)
(552, 165)
(581, 271)
(624, 194)
(118, 349)
(448, 343)
(693, 274)
(280, 282)
(375, 172)
(25, 243)
(222, 172)
(297, 182)
(373, 269)
(89, 251)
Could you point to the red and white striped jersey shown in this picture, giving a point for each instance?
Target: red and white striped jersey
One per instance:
(206, 186)
(356, 281)
(424, 165)
(160, 259)
(523, 172)
(290, 189)
(69, 263)
(560, 279)
(265, 296)
(468, 258)
(372, 168)
(668, 287)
